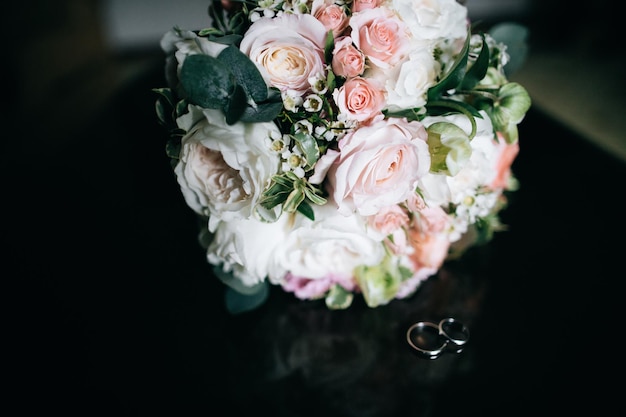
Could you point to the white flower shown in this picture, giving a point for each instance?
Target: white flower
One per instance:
(332, 245)
(433, 19)
(237, 248)
(224, 169)
(408, 83)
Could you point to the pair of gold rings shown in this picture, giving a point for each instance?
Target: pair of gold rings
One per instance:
(429, 340)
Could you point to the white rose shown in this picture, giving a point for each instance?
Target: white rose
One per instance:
(433, 19)
(331, 246)
(224, 169)
(408, 84)
(245, 247)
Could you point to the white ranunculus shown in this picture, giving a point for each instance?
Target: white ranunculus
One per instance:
(331, 246)
(433, 19)
(245, 247)
(224, 169)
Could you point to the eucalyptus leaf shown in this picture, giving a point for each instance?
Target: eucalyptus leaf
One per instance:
(206, 81)
(237, 303)
(236, 105)
(263, 112)
(246, 73)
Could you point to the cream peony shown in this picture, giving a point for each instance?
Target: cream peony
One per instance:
(224, 169)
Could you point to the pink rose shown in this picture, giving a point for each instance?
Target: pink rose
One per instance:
(331, 15)
(348, 61)
(380, 35)
(307, 289)
(378, 165)
(391, 222)
(429, 249)
(288, 50)
(359, 5)
(360, 98)
(507, 154)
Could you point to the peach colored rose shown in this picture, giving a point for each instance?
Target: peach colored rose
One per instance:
(348, 61)
(507, 154)
(391, 223)
(331, 15)
(360, 5)
(378, 165)
(360, 99)
(429, 249)
(288, 50)
(380, 35)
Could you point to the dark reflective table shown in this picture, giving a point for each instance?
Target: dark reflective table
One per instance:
(120, 314)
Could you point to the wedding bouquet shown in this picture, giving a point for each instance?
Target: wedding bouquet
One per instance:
(338, 148)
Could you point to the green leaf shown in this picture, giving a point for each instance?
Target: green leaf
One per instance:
(236, 105)
(295, 197)
(454, 76)
(246, 73)
(338, 298)
(306, 210)
(237, 303)
(478, 70)
(329, 46)
(515, 99)
(263, 112)
(308, 145)
(445, 106)
(206, 81)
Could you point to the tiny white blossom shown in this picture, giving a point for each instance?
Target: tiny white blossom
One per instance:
(313, 103)
(291, 100)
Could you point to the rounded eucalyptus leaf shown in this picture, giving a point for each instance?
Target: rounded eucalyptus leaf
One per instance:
(206, 81)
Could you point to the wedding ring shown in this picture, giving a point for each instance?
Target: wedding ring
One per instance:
(454, 331)
(426, 339)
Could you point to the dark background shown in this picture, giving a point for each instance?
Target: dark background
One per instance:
(112, 309)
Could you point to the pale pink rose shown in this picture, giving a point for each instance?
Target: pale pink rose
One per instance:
(389, 219)
(415, 202)
(288, 50)
(331, 15)
(360, 5)
(429, 249)
(380, 35)
(348, 61)
(360, 99)
(391, 223)
(507, 154)
(307, 289)
(379, 165)
(433, 219)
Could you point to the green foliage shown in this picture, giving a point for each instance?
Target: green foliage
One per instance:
(293, 193)
(232, 83)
